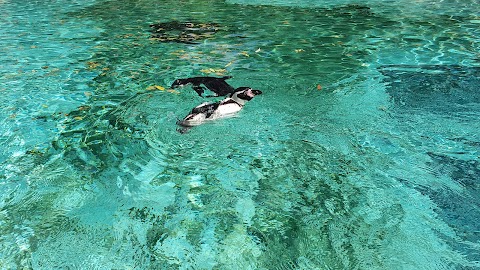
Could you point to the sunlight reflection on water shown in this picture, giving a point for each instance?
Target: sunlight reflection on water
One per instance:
(362, 153)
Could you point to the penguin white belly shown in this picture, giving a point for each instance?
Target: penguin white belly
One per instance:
(194, 120)
(226, 109)
(223, 110)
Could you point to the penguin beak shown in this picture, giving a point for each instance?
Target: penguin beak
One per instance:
(251, 93)
(177, 84)
(256, 92)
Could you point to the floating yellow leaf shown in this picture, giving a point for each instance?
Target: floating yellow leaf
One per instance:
(383, 108)
(213, 70)
(156, 87)
(78, 118)
(92, 65)
(178, 52)
(173, 91)
(244, 53)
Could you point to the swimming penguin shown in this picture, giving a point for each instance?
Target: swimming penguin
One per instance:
(211, 111)
(214, 84)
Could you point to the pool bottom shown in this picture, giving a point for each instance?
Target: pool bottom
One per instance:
(262, 196)
(325, 170)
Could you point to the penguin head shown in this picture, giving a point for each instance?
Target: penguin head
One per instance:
(244, 94)
(179, 83)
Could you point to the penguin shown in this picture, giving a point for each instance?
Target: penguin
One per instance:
(214, 84)
(220, 109)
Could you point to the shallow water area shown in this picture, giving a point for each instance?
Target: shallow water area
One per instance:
(361, 153)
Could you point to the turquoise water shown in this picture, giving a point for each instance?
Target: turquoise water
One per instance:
(378, 168)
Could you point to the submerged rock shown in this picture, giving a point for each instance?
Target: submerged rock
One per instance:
(183, 32)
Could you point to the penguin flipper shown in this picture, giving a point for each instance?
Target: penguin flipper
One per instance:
(199, 89)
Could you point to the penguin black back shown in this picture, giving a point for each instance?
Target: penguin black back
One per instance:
(217, 85)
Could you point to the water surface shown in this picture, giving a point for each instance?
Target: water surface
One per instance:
(362, 153)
